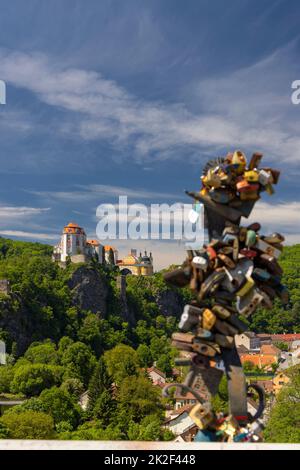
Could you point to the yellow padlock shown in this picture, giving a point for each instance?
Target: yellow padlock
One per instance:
(251, 176)
(246, 287)
(201, 415)
(208, 319)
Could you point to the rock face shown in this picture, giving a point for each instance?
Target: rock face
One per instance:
(89, 290)
(16, 321)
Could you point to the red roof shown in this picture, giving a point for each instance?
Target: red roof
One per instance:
(286, 337)
(269, 349)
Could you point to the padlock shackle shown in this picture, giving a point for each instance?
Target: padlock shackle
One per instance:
(184, 388)
(261, 401)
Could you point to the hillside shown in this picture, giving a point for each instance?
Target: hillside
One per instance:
(67, 330)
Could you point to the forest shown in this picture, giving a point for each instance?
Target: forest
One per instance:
(67, 331)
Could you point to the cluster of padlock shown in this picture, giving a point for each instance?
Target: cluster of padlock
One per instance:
(234, 274)
(231, 180)
(227, 429)
(230, 276)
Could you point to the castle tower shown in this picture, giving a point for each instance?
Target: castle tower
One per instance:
(73, 241)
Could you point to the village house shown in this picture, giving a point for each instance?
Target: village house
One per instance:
(248, 340)
(182, 425)
(157, 376)
(279, 381)
(262, 361)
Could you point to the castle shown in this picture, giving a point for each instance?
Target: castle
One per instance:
(137, 265)
(75, 247)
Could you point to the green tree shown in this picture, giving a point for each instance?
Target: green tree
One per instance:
(60, 405)
(6, 378)
(122, 361)
(284, 422)
(42, 353)
(144, 355)
(32, 379)
(164, 363)
(79, 362)
(89, 333)
(73, 387)
(100, 382)
(104, 408)
(137, 398)
(28, 425)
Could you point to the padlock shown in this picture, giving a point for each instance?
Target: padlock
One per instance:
(202, 415)
(269, 189)
(252, 176)
(227, 261)
(229, 238)
(251, 238)
(204, 334)
(179, 277)
(210, 283)
(190, 317)
(236, 249)
(211, 252)
(221, 312)
(231, 230)
(255, 226)
(242, 234)
(237, 275)
(265, 177)
(182, 346)
(261, 275)
(208, 319)
(249, 284)
(205, 348)
(275, 238)
(239, 161)
(247, 304)
(225, 328)
(255, 160)
(249, 196)
(213, 179)
(224, 297)
(224, 341)
(182, 361)
(275, 174)
(226, 250)
(270, 250)
(237, 323)
(270, 263)
(185, 337)
(243, 186)
(200, 262)
(221, 196)
(228, 282)
(248, 253)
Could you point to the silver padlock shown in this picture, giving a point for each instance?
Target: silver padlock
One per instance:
(190, 318)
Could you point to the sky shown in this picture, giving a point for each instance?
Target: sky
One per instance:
(132, 98)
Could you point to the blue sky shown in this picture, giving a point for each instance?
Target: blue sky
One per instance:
(115, 97)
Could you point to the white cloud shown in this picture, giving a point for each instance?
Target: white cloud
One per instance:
(93, 192)
(15, 212)
(281, 217)
(31, 235)
(243, 109)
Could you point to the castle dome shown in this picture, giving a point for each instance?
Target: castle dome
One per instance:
(93, 242)
(72, 227)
